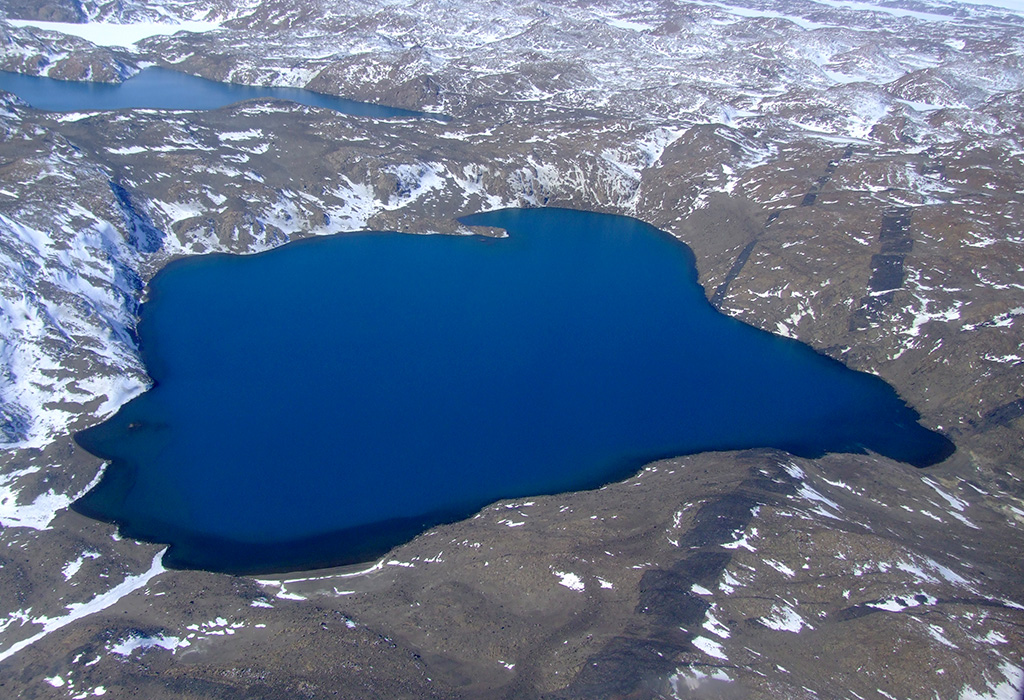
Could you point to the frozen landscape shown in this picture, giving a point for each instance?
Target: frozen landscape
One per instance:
(850, 174)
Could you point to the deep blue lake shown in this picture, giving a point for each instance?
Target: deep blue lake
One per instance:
(319, 403)
(159, 88)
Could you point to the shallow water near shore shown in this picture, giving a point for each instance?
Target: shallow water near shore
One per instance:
(319, 403)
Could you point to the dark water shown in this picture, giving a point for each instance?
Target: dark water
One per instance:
(319, 403)
(159, 88)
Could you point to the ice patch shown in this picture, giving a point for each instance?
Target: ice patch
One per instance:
(1012, 5)
(741, 11)
(889, 10)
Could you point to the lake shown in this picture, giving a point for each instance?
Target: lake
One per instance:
(159, 88)
(319, 403)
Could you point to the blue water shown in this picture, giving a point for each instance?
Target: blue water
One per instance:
(321, 402)
(159, 88)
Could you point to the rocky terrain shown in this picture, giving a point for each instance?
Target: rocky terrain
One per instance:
(849, 174)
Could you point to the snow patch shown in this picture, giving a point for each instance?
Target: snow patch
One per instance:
(38, 514)
(72, 567)
(79, 610)
(125, 647)
(713, 625)
(780, 567)
(693, 678)
(784, 618)
(902, 602)
(710, 647)
(569, 580)
(1008, 687)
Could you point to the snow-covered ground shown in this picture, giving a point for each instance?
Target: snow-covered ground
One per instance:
(659, 110)
(114, 34)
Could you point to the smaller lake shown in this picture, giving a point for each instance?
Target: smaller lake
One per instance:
(160, 88)
(319, 403)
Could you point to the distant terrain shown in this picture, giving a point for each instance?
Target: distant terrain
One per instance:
(850, 174)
